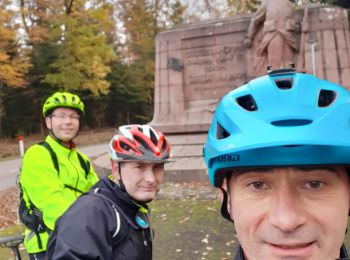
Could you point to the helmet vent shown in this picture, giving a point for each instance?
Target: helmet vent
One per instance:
(221, 132)
(164, 145)
(142, 142)
(292, 122)
(247, 102)
(284, 83)
(125, 146)
(326, 97)
(153, 137)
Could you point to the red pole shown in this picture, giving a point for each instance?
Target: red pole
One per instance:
(21, 145)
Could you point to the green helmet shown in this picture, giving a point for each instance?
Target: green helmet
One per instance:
(63, 99)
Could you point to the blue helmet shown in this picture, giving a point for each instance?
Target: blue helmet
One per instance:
(282, 119)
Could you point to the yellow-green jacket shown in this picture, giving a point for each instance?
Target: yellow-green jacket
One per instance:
(49, 191)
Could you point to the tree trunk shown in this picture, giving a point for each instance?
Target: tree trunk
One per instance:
(2, 108)
(0, 125)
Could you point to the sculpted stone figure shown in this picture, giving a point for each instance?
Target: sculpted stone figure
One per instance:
(278, 41)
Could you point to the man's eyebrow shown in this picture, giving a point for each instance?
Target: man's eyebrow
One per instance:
(313, 168)
(253, 169)
(270, 169)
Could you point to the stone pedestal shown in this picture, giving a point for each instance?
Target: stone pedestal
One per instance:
(198, 64)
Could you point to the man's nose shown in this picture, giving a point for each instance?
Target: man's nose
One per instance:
(68, 119)
(149, 175)
(287, 212)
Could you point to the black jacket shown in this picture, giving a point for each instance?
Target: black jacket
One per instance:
(96, 227)
(343, 254)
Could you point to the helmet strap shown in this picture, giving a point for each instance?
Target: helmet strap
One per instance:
(120, 180)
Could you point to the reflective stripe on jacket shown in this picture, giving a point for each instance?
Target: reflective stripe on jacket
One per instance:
(52, 192)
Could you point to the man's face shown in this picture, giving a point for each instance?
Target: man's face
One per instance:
(141, 180)
(290, 213)
(64, 123)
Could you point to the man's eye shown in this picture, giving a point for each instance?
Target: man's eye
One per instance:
(314, 185)
(258, 185)
(158, 166)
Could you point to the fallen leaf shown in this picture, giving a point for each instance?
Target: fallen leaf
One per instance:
(205, 240)
(184, 220)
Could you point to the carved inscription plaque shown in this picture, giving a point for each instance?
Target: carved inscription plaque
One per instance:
(210, 72)
(198, 64)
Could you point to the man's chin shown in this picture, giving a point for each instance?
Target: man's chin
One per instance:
(146, 197)
(67, 138)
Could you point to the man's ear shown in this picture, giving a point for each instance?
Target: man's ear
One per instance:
(226, 205)
(224, 187)
(224, 184)
(48, 122)
(115, 170)
(229, 206)
(348, 171)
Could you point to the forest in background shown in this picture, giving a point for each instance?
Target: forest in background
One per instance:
(102, 50)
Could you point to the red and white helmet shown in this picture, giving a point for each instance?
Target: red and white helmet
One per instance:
(139, 143)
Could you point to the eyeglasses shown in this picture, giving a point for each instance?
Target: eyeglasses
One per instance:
(64, 116)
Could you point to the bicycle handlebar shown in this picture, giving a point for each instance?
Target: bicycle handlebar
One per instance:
(11, 241)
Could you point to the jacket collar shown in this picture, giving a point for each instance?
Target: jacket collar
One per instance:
(57, 143)
(117, 194)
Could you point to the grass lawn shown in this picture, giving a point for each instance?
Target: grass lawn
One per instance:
(191, 229)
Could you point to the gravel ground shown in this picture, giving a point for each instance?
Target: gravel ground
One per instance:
(188, 190)
(8, 206)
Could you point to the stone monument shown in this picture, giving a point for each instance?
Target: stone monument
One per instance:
(277, 42)
(199, 63)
